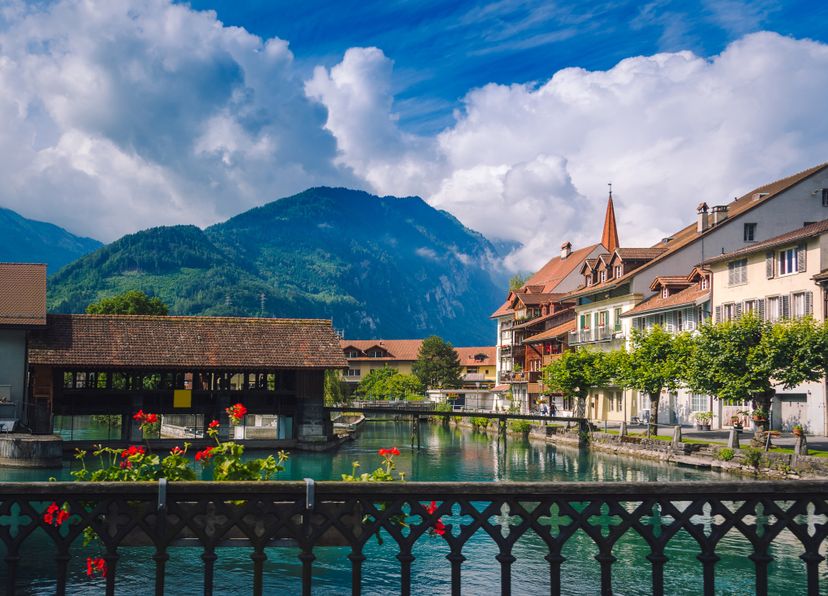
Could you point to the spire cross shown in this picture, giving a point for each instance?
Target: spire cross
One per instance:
(610, 188)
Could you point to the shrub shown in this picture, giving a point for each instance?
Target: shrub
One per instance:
(480, 421)
(752, 456)
(725, 454)
(520, 426)
(443, 407)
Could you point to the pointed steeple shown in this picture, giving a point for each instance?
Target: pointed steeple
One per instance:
(609, 238)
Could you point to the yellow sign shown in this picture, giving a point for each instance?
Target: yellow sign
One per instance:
(183, 398)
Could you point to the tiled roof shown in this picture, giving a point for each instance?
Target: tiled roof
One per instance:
(535, 299)
(554, 272)
(142, 341)
(691, 295)
(398, 349)
(22, 294)
(814, 229)
(503, 310)
(558, 331)
(821, 276)
(636, 254)
(467, 355)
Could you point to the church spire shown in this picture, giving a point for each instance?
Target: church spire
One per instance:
(609, 238)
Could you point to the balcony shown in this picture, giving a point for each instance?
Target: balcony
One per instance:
(197, 519)
(597, 334)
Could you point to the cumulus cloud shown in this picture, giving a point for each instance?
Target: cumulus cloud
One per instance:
(123, 114)
(532, 162)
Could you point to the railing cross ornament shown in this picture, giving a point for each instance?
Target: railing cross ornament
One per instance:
(555, 520)
(810, 518)
(654, 520)
(605, 521)
(504, 520)
(15, 520)
(761, 520)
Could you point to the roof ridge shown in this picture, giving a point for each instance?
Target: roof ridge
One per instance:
(323, 322)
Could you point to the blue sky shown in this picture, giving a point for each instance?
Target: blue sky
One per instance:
(118, 115)
(442, 49)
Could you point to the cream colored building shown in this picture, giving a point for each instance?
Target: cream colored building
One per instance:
(779, 279)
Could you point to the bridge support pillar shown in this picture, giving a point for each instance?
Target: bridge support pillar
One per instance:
(415, 430)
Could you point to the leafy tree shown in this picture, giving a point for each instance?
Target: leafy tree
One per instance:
(401, 387)
(333, 391)
(516, 282)
(576, 372)
(375, 383)
(653, 363)
(437, 364)
(746, 359)
(132, 302)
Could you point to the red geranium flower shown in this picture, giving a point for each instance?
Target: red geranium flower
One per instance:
(139, 416)
(439, 527)
(205, 454)
(213, 424)
(151, 418)
(176, 450)
(95, 565)
(236, 413)
(388, 452)
(55, 515)
(133, 450)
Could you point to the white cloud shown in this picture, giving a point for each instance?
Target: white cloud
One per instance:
(531, 162)
(123, 114)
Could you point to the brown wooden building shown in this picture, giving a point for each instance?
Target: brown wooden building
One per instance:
(118, 364)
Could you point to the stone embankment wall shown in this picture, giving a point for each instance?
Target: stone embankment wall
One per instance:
(771, 464)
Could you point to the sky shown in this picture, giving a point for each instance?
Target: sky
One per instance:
(117, 115)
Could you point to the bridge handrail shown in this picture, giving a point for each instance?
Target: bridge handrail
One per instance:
(260, 515)
(464, 413)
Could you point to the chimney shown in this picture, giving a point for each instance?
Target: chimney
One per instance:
(566, 249)
(719, 214)
(703, 220)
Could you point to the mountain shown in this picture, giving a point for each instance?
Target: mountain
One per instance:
(378, 266)
(29, 241)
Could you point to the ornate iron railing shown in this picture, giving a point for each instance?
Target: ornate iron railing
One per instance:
(311, 516)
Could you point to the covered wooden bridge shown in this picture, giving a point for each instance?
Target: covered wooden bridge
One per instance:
(115, 365)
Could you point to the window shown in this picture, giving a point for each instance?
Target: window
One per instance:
(825, 197)
(589, 280)
(801, 304)
(602, 318)
(471, 369)
(772, 311)
(750, 306)
(376, 354)
(585, 321)
(787, 261)
(728, 311)
(698, 403)
(737, 272)
(679, 320)
(352, 372)
(617, 316)
(619, 270)
(665, 293)
(750, 232)
(352, 354)
(603, 276)
(704, 282)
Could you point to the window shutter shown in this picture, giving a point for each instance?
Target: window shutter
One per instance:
(718, 314)
(668, 322)
(738, 309)
(801, 258)
(769, 263)
(786, 306)
(731, 275)
(809, 303)
(760, 309)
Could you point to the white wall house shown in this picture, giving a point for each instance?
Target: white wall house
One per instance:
(779, 279)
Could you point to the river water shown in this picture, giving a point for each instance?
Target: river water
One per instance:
(447, 454)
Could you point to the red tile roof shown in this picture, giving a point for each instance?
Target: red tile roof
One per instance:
(554, 272)
(467, 355)
(688, 296)
(22, 294)
(398, 349)
(558, 331)
(815, 229)
(142, 341)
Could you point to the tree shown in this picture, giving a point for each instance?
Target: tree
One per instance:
(375, 383)
(653, 363)
(333, 390)
(516, 282)
(437, 364)
(745, 360)
(576, 372)
(131, 302)
(402, 387)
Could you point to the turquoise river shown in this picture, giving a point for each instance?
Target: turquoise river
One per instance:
(447, 454)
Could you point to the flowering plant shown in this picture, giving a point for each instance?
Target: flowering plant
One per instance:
(236, 412)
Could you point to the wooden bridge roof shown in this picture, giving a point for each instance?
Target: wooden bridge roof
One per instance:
(141, 341)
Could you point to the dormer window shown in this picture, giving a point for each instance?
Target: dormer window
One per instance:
(602, 276)
(618, 270)
(352, 354)
(704, 283)
(588, 280)
(665, 293)
(376, 354)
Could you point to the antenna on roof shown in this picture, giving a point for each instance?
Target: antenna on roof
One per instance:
(610, 188)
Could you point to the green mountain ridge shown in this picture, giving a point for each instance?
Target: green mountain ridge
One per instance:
(29, 241)
(378, 266)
